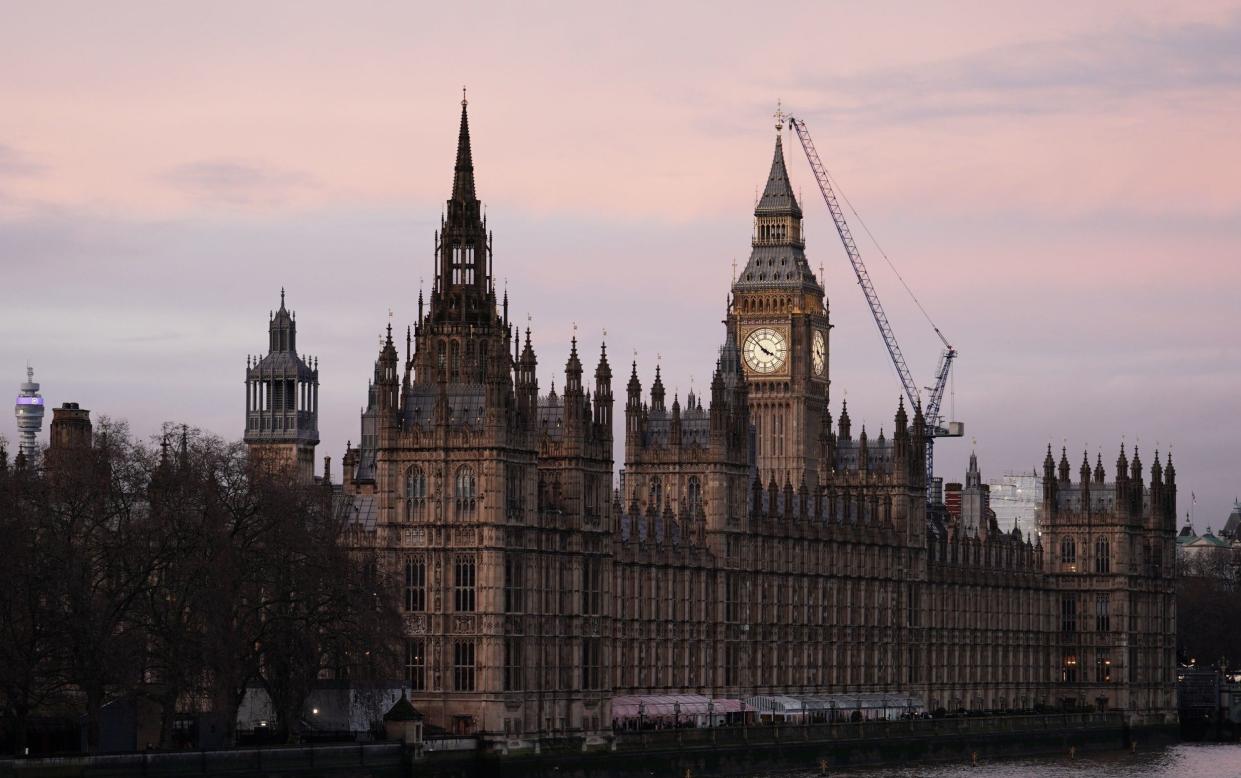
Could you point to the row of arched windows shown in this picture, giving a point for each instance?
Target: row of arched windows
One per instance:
(766, 304)
(465, 491)
(773, 232)
(693, 494)
(1102, 555)
(448, 357)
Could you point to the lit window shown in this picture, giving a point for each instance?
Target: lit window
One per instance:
(416, 664)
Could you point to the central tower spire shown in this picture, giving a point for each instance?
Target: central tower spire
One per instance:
(463, 180)
(777, 255)
(463, 290)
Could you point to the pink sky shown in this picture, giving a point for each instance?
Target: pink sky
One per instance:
(1061, 185)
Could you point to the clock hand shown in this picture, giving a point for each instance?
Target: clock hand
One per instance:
(765, 351)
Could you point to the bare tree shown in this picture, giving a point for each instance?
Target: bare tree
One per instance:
(188, 538)
(30, 662)
(96, 520)
(327, 615)
(1208, 609)
(183, 572)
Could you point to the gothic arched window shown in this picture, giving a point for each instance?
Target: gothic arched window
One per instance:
(1102, 556)
(1068, 552)
(415, 492)
(657, 494)
(465, 490)
(693, 495)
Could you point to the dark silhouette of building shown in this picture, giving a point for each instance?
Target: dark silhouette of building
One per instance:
(71, 427)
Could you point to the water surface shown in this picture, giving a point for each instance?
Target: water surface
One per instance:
(1186, 760)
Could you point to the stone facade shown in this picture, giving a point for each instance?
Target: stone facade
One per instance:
(1112, 566)
(752, 545)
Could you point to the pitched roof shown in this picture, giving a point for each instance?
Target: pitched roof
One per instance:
(1233, 525)
(778, 195)
(402, 710)
(778, 264)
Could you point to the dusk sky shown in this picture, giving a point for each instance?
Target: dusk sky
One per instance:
(1059, 183)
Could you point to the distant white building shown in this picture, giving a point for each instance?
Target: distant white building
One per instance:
(1015, 499)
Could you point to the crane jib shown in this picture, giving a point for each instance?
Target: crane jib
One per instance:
(932, 415)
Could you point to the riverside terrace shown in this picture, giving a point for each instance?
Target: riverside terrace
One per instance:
(732, 749)
(696, 710)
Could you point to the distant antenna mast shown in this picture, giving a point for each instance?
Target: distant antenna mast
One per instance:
(29, 413)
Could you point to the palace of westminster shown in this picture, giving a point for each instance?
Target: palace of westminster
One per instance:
(754, 546)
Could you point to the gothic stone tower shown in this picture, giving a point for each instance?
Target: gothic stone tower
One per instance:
(1112, 566)
(778, 316)
(282, 400)
(489, 503)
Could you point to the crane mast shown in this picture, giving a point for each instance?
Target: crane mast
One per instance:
(934, 426)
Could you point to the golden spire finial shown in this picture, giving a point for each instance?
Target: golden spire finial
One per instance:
(779, 114)
(464, 102)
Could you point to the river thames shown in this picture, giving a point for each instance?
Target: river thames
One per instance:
(1186, 760)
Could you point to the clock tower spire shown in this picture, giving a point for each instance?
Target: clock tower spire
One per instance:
(778, 314)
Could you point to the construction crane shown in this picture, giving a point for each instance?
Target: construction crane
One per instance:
(935, 426)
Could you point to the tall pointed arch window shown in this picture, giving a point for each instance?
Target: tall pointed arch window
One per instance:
(693, 495)
(465, 490)
(416, 584)
(657, 494)
(1068, 554)
(415, 493)
(1102, 556)
(463, 264)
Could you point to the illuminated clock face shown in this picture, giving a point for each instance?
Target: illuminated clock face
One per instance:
(818, 354)
(765, 350)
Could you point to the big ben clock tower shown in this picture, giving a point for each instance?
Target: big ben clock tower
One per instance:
(778, 316)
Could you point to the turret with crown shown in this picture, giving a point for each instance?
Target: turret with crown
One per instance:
(282, 399)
